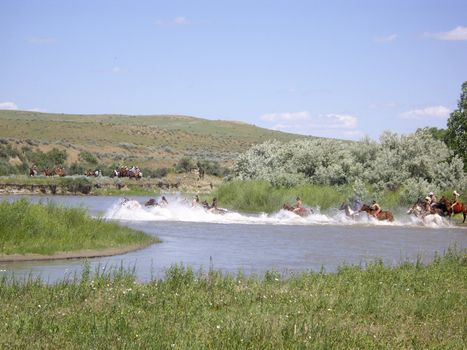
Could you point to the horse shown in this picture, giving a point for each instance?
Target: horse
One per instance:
(125, 172)
(137, 174)
(48, 171)
(418, 209)
(151, 203)
(303, 212)
(382, 215)
(130, 203)
(94, 173)
(457, 209)
(216, 210)
(348, 210)
(60, 171)
(428, 217)
(33, 171)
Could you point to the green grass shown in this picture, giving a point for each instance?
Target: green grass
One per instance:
(28, 228)
(260, 196)
(408, 307)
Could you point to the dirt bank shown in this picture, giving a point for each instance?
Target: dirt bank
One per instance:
(79, 254)
(188, 183)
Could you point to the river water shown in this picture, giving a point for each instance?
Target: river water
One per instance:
(247, 243)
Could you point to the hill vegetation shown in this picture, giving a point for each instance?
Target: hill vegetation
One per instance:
(158, 141)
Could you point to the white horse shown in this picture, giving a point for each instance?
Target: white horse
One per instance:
(349, 211)
(427, 218)
(130, 204)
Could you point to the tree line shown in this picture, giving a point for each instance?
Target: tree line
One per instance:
(428, 160)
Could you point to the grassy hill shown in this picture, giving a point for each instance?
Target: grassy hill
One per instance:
(149, 141)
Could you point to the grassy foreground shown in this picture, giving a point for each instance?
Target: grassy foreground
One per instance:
(28, 228)
(410, 306)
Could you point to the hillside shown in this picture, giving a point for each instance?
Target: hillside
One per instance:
(149, 141)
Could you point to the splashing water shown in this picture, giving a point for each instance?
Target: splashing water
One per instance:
(181, 210)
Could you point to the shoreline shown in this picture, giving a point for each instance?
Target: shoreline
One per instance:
(78, 254)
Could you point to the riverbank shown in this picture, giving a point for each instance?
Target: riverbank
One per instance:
(37, 232)
(82, 185)
(410, 306)
(79, 254)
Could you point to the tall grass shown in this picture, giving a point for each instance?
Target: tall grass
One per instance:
(410, 306)
(48, 229)
(260, 196)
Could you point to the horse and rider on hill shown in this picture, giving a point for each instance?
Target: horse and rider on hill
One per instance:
(47, 171)
(133, 172)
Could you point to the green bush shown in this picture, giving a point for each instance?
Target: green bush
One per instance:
(88, 157)
(184, 165)
(51, 159)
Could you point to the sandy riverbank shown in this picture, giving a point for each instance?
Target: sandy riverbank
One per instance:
(79, 254)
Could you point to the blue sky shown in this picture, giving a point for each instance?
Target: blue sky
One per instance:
(341, 69)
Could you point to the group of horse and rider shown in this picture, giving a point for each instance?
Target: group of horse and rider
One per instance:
(131, 172)
(122, 171)
(443, 207)
(59, 171)
(430, 205)
(213, 207)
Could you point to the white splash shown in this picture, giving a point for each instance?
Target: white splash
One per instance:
(181, 210)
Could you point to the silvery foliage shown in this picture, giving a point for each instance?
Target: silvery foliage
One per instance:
(387, 164)
(359, 192)
(417, 189)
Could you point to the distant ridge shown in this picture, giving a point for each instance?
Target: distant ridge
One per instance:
(148, 140)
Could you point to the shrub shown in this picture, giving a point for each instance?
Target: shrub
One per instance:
(388, 164)
(88, 157)
(184, 165)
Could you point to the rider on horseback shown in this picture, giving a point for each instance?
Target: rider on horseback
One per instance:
(456, 199)
(298, 205)
(163, 201)
(376, 207)
(433, 199)
(427, 204)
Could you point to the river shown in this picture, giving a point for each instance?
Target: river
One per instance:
(247, 243)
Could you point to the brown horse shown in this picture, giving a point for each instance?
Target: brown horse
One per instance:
(458, 208)
(125, 172)
(90, 172)
(49, 171)
(135, 174)
(33, 171)
(303, 212)
(60, 171)
(382, 215)
(151, 202)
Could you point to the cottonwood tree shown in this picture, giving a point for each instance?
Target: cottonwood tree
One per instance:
(456, 135)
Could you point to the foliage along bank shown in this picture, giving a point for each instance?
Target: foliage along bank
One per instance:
(414, 164)
(28, 228)
(262, 196)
